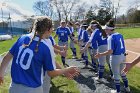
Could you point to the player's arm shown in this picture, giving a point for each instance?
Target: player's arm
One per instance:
(73, 71)
(98, 55)
(4, 65)
(85, 48)
(131, 64)
(62, 53)
(135, 61)
(60, 47)
(55, 36)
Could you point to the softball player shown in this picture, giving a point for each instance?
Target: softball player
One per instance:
(116, 48)
(83, 40)
(72, 45)
(32, 55)
(98, 36)
(79, 32)
(92, 49)
(63, 33)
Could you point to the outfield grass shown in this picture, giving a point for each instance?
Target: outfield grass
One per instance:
(129, 33)
(61, 84)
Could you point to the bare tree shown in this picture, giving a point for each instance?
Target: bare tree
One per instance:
(44, 8)
(58, 7)
(80, 11)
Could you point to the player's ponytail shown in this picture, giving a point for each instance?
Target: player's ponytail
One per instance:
(96, 24)
(39, 27)
(43, 24)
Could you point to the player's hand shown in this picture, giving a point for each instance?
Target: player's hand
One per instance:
(1, 80)
(68, 76)
(127, 67)
(65, 47)
(63, 53)
(98, 55)
(82, 51)
(72, 71)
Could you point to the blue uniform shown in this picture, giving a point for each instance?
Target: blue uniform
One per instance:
(27, 66)
(79, 34)
(52, 40)
(96, 37)
(63, 33)
(84, 36)
(116, 43)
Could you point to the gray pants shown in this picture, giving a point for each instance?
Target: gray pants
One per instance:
(19, 88)
(72, 44)
(117, 66)
(46, 84)
(62, 43)
(102, 60)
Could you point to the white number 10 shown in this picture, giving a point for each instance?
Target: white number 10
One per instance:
(20, 60)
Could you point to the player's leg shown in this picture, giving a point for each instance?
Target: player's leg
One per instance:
(102, 61)
(73, 49)
(108, 63)
(123, 75)
(95, 62)
(115, 66)
(86, 58)
(62, 58)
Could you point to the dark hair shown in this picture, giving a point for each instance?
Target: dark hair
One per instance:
(99, 27)
(89, 29)
(85, 26)
(110, 23)
(40, 25)
(70, 23)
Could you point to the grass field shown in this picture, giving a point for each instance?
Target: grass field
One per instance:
(61, 84)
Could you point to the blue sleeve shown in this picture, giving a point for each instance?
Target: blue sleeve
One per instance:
(49, 60)
(14, 47)
(57, 31)
(86, 36)
(110, 43)
(69, 32)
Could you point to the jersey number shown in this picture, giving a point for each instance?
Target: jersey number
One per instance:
(121, 43)
(102, 37)
(20, 60)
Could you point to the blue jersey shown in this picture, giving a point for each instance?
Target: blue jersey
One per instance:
(63, 33)
(52, 40)
(28, 65)
(71, 29)
(84, 36)
(79, 34)
(93, 45)
(97, 38)
(116, 43)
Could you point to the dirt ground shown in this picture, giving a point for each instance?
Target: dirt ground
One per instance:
(133, 47)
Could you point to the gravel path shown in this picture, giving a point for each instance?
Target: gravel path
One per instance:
(86, 80)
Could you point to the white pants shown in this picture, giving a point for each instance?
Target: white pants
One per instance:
(117, 66)
(19, 88)
(46, 84)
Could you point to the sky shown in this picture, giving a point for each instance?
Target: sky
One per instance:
(26, 6)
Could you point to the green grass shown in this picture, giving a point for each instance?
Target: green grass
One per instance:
(6, 45)
(129, 33)
(61, 84)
